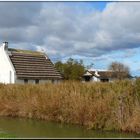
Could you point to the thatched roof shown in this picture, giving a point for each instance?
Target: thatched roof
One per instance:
(32, 65)
(105, 74)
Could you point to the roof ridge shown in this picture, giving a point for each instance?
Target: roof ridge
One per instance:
(21, 51)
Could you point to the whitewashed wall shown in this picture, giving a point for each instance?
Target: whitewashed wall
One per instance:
(19, 81)
(49, 81)
(112, 79)
(7, 73)
(95, 79)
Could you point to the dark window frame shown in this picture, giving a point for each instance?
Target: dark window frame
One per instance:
(26, 81)
(36, 81)
(104, 80)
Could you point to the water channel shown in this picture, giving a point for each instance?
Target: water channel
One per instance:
(27, 128)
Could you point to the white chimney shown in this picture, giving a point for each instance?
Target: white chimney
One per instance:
(5, 45)
(96, 73)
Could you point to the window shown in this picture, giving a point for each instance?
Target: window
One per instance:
(10, 76)
(37, 81)
(25, 81)
(105, 80)
(87, 78)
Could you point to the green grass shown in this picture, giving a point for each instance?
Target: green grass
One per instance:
(5, 135)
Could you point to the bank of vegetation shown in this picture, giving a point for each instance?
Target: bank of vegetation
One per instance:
(6, 136)
(106, 106)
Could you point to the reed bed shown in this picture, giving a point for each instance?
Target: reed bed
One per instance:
(105, 106)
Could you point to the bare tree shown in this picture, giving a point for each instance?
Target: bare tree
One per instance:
(120, 70)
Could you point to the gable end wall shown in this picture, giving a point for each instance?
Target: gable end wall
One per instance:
(7, 72)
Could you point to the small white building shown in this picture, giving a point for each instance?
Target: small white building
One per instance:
(23, 66)
(99, 76)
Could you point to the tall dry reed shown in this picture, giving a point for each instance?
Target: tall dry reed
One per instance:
(106, 106)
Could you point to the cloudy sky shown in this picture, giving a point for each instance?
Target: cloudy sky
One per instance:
(97, 32)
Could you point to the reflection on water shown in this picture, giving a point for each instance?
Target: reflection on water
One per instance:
(26, 128)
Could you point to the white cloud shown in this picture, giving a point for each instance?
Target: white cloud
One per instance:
(94, 33)
(65, 29)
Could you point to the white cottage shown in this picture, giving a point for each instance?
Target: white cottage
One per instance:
(99, 76)
(23, 66)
